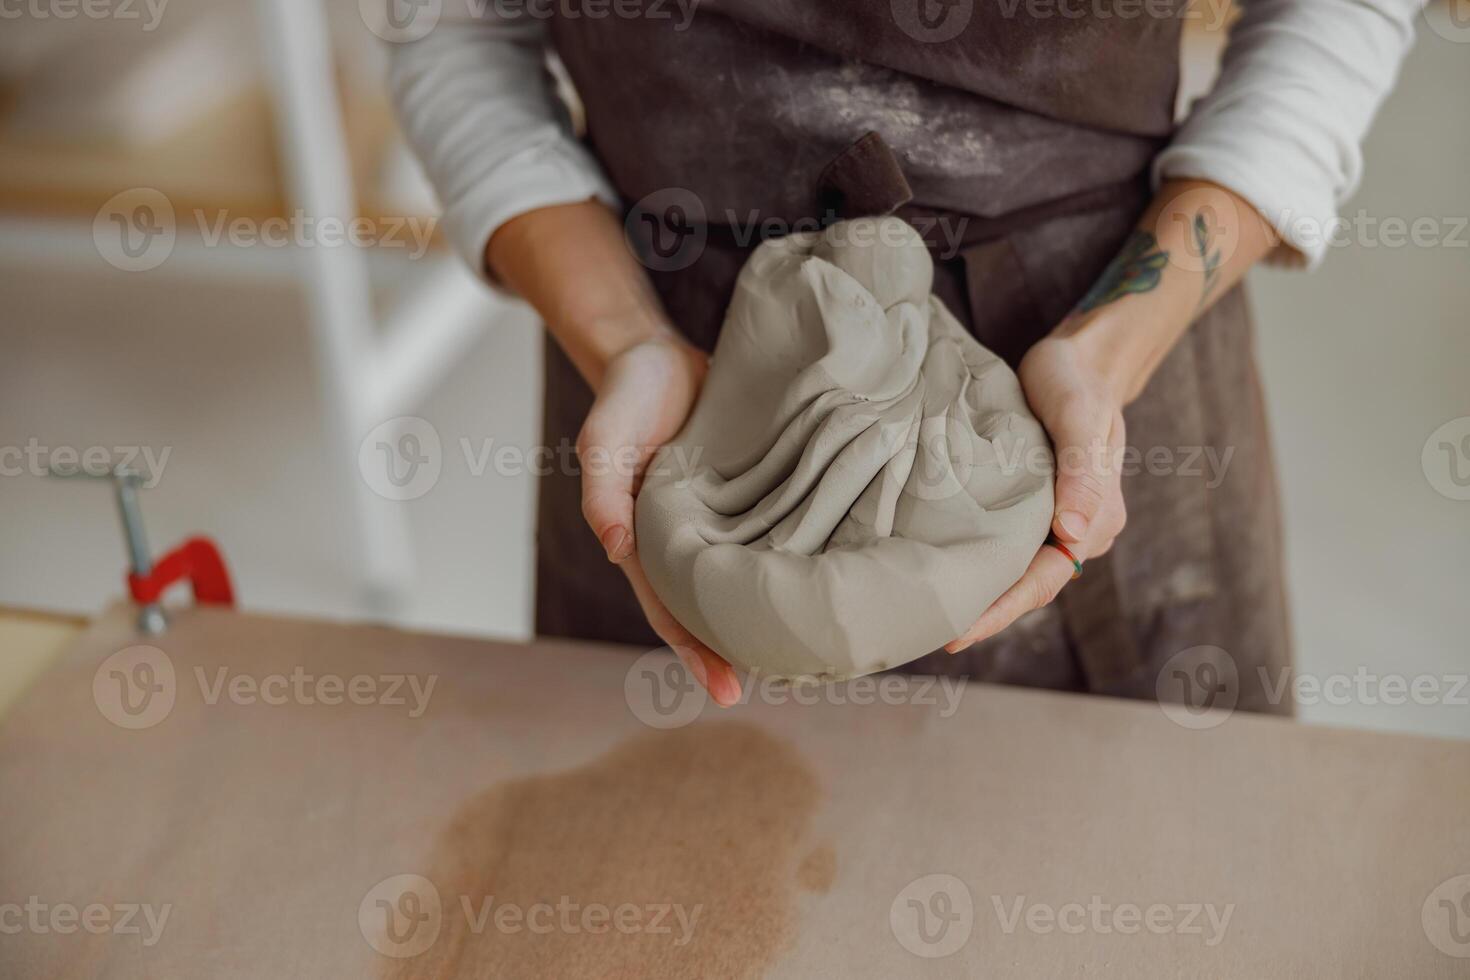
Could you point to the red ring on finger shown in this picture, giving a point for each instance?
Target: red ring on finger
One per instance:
(1076, 564)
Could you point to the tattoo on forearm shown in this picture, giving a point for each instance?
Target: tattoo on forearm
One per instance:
(1208, 253)
(1137, 269)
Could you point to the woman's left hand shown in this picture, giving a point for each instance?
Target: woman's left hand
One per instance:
(1194, 242)
(1083, 414)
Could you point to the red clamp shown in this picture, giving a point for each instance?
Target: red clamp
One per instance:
(197, 560)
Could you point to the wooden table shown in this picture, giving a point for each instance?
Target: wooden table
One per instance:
(254, 797)
(29, 641)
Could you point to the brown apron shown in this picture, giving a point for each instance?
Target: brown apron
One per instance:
(1019, 145)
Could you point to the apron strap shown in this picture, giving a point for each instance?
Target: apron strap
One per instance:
(862, 181)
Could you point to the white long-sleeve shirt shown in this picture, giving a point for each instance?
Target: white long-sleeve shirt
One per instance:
(1299, 84)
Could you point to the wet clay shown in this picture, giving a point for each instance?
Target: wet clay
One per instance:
(707, 823)
(859, 479)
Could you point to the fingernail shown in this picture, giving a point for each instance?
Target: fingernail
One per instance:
(1073, 523)
(729, 693)
(617, 543)
(983, 629)
(693, 663)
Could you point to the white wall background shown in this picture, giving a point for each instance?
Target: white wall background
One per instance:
(1363, 360)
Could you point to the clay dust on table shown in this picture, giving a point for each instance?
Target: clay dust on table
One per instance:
(818, 869)
(700, 831)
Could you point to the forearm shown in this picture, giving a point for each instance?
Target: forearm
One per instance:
(572, 264)
(1195, 242)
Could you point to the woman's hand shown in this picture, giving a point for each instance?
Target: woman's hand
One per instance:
(571, 263)
(1195, 241)
(646, 394)
(1078, 406)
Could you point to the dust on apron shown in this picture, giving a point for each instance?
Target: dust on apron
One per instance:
(1019, 145)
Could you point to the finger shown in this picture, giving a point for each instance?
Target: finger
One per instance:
(711, 670)
(609, 470)
(1048, 572)
(1087, 478)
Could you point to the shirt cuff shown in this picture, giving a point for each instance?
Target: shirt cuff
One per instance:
(1300, 210)
(537, 177)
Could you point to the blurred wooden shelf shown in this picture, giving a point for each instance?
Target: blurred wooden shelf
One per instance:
(227, 161)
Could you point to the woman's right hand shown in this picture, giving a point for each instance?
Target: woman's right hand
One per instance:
(645, 396)
(572, 264)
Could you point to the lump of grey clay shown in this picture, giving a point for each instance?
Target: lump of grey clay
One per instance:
(859, 479)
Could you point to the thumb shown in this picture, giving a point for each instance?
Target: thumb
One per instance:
(1085, 443)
